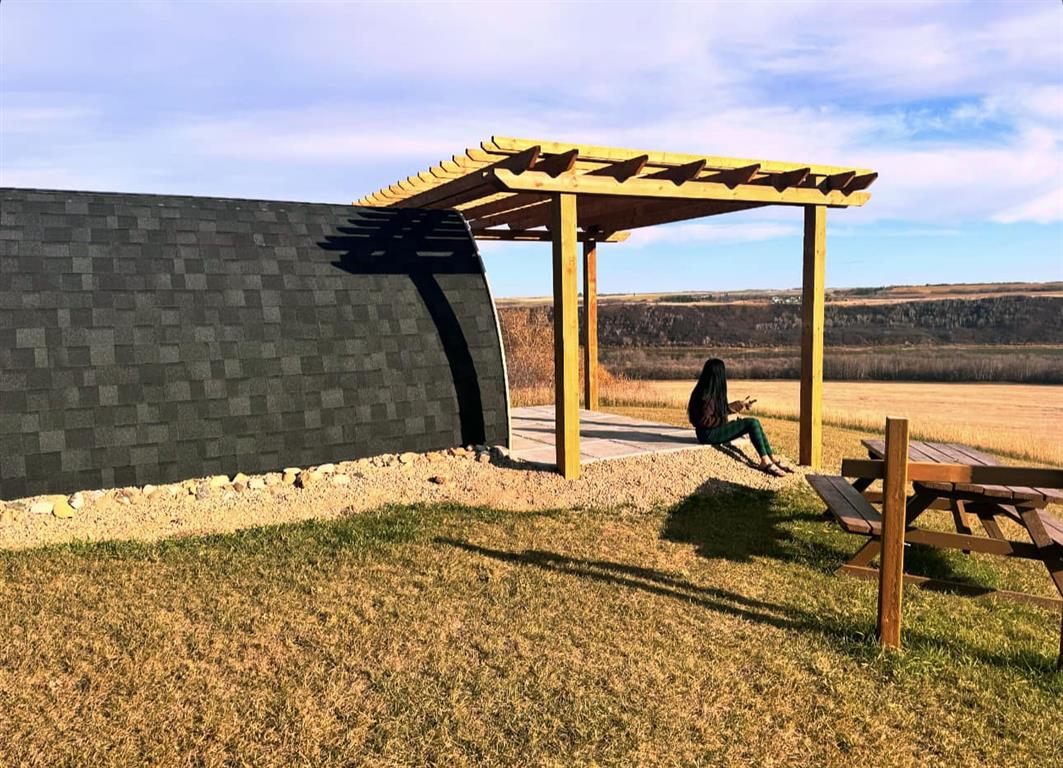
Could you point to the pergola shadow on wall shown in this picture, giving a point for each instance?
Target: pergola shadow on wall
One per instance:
(547, 191)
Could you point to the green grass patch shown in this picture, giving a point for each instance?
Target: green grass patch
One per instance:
(710, 632)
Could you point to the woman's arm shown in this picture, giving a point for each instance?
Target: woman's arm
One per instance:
(740, 405)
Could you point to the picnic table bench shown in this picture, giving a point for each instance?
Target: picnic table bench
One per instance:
(946, 477)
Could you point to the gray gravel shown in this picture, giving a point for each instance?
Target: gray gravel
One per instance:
(219, 504)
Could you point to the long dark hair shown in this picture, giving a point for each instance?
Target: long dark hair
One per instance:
(709, 392)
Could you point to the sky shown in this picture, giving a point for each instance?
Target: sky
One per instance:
(958, 106)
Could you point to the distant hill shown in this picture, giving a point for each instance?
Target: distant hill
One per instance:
(997, 320)
(867, 295)
(954, 314)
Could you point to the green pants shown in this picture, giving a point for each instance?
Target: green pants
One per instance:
(725, 433)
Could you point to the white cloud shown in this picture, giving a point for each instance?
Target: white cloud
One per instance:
(231, 99)
(1044, 209)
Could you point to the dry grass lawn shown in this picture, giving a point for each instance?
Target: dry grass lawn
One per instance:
(711, 632)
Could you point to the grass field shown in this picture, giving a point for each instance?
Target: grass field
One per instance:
(1017, 420)
(712, 632)
(947, 363)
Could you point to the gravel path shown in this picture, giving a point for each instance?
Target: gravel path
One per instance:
(480, 478)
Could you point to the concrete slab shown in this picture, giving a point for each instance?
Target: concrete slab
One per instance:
(602, 436)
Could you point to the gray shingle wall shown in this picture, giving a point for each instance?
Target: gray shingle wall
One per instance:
(147, 339)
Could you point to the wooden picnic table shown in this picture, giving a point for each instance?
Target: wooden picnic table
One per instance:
(951, 477)
(970, 505)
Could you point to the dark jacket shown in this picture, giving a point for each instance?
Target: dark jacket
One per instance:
(705, 416)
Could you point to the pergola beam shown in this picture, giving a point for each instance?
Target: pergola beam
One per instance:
(531, 181)
(613, 154)
(543, 235)
(679, 174)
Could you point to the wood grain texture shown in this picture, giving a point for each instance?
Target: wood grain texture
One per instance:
(590, 325)
(810, 436)
(894, 495)
(566, 335)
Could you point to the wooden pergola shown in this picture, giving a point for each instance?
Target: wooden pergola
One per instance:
(548, 191)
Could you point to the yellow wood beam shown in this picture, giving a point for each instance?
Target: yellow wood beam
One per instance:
(503, 204)
(609, 214)
(679, 174)
(544, 236)
(460, 189)
(651, 213)
(623, 169)
(786, 179)
(810, 430)
(613, 154)
(590, 325)
(531, 181)
(837, 181)
(862, 181)
(894, 496)
(736, 176)
(555, 165)
(566, 336)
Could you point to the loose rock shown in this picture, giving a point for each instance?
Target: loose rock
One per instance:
(327, 469)
(62, 509)
(77, 501)
(256, 483)
(240, 478)
(218, 481)
(408, 458)
(203, 491)
(290, 476)
(438, 479)
(340, 480)
(307, 479)
(43, 507)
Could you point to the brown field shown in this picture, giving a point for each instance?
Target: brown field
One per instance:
(1020, 420)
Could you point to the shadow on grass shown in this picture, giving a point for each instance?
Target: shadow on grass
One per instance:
(733, 522)
(851, 636)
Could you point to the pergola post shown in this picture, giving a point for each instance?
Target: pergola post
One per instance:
(566, 334)
(812, 300)
(590, 325)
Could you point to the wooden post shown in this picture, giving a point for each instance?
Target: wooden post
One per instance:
(590, 325)
(566, 334)
(894, 496)
(811, 419)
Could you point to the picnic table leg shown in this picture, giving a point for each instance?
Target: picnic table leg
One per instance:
(959, 515)
(1053, 561)
(863, 556)
(914, 507)
(894, 518)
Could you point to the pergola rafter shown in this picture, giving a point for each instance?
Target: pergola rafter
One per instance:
(546, 191)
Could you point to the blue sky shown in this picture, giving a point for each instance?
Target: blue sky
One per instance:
(959, 106)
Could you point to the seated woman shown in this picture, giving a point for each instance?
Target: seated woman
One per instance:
(708, 410)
